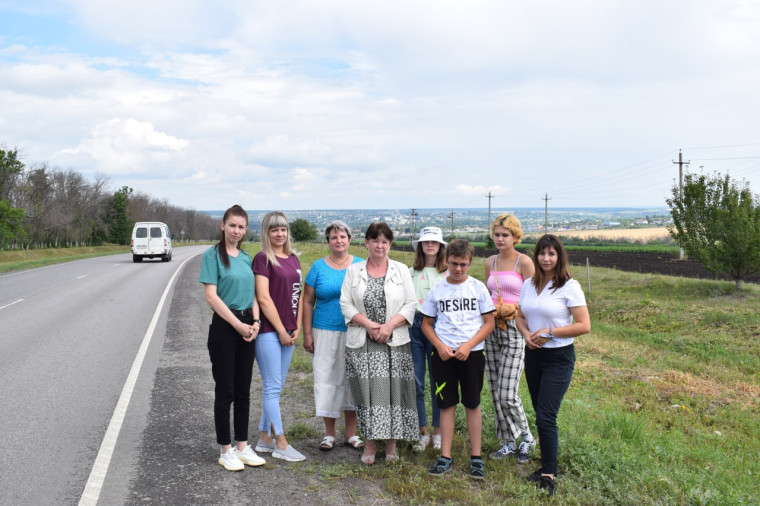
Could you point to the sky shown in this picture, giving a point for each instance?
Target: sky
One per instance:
(342, 104)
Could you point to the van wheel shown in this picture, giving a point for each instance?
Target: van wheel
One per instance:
(136, 259)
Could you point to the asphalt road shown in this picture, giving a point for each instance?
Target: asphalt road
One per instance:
(69, 335)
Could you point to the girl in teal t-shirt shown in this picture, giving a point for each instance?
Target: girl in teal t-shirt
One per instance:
(229, 288)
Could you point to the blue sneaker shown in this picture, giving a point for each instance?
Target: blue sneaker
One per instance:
(263, 447)
(523, 452)
(289, 454)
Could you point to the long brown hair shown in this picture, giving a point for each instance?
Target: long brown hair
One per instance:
(221, 247)
(561, 272)
(419, 258)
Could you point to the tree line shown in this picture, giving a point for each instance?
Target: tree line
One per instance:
(49, 207)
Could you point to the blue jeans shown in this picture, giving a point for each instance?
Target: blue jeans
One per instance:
(274, 361)
(548, 372)
(422, 353)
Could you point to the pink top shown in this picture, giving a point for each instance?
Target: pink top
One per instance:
(508, 283)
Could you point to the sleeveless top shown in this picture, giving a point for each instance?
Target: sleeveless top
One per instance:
(507, 283)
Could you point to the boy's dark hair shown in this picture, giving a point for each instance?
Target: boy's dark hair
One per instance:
(460, 248)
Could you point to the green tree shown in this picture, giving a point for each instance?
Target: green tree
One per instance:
(117, 217)
(302, 230)
(11, 220)
(10, 169)
(717, 223)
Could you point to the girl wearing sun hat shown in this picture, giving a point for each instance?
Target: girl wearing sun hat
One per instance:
(428, 269)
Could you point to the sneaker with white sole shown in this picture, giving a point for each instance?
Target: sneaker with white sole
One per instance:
(503, 452)
(437, 441)
(523, 452)
(263, 447)
(289, 454)
(248, 457)
(230, 461)
(422, 443)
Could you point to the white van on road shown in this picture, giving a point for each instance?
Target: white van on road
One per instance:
(151, 239)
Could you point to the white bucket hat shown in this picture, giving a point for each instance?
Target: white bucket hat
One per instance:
(429, 234)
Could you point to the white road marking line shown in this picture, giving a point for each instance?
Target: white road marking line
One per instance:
(8, 305)
(82, 276)
(99, 470)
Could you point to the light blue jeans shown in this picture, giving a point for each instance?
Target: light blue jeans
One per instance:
(422, 350)
(274, 360)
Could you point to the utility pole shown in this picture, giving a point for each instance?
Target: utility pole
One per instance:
(451, 217)
(411, 219)
(680, 163)
(489, 196)
(546, 200)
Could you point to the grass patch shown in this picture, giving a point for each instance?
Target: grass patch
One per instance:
(12, 260)
(662, 409)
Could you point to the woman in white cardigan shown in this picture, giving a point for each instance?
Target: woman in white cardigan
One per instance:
(378, 302)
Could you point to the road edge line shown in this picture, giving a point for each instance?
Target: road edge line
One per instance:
(92, 489)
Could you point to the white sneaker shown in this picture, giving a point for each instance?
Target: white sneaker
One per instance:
(230, 461)
(248, 457)
(437, 441)
(422, 443)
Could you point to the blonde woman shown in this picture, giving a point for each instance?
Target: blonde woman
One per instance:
(278, 292)
(505, 347)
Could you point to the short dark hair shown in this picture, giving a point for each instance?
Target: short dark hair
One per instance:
(459, 248)
(378, 228)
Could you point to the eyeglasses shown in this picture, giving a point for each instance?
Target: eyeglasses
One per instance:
(457, 265)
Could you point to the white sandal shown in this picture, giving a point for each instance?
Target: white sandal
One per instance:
(327, 443)
(354, 442)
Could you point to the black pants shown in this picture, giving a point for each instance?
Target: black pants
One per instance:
(232, 368)
(548, 372)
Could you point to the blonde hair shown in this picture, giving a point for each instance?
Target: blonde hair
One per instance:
(509, 222)
(274, 219)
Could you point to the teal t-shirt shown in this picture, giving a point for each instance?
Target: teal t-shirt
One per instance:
(236, 285)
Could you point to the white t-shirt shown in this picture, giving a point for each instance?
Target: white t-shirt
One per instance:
(459, 309)
(550, 309)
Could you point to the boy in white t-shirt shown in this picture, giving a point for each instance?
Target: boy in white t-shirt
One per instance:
(464, 309)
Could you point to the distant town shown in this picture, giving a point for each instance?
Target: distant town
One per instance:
(475, 222)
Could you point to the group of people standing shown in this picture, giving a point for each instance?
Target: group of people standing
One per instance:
(377, 329)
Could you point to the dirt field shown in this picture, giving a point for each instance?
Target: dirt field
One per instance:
(656, 263)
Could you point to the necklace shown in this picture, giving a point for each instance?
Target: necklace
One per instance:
(339, 264)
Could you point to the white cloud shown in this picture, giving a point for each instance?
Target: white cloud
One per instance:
(336, 103)
(119, 146)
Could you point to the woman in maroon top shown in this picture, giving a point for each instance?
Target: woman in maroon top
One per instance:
(278, 292)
